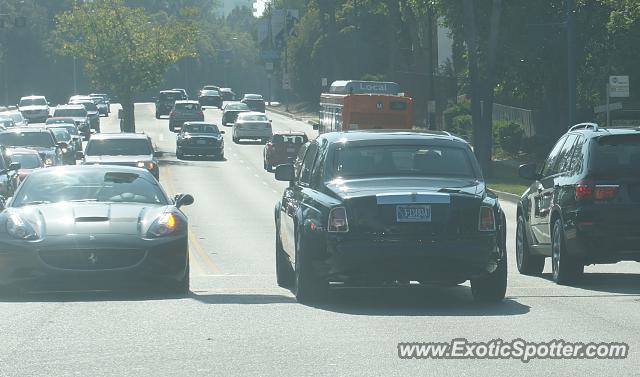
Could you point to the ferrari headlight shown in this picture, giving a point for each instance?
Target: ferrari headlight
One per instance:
(165, 224)
(149, 165)
(21, 229)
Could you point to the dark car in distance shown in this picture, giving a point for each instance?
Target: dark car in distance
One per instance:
(124, 149)
(210, 98)
(185, 111)
(230, 112)
(255, 102)
(38, 139)
(94, 227)
(583, 205)
(282, 148)
(200, 139)
(77, 113)
(388, 208)
(165, 101)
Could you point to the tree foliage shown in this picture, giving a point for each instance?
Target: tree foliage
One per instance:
(123, 50)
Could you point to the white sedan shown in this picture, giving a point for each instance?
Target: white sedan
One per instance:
(252, 125)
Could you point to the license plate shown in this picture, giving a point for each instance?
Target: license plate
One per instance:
(201, 142)
(413, 213)
(291, 150)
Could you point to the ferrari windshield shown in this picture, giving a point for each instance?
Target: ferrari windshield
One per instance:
(99, 185)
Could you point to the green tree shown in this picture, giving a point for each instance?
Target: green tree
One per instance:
(123, 50)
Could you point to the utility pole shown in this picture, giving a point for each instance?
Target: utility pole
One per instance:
(571, 61)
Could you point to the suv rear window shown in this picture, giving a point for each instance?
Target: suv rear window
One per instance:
(616, 154)
(170, 96)
(289, 139)
(187, 106)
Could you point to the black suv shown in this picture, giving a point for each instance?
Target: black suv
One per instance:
(583, 206)
(165, 101)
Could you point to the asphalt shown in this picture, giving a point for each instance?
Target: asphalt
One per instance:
(237, 322)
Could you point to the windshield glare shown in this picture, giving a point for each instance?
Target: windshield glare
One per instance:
(27, 161)
(73, 113)
(253, 118)
(33, 102)
(118, 147)
(402, 160)
(89, 185)
(27, 139)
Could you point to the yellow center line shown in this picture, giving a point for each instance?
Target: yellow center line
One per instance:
(193, 240)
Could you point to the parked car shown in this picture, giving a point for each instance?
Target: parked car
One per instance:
(185, 111)
(34, 108)
(255, 102)
(124, 231)
(210, 98)
(230, 112)
(125, 149)
(227, 94)
(77, 113)
(28, 159)
(583, 203)
(165, 101)
(252, 125)
(37, 138)
(8, 175)
(93, 113)
(383, 208)
(200, 139)
(282, 148)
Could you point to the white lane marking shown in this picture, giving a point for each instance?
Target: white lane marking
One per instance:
(256, 175)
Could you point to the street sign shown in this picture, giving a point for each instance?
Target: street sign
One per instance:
(612, 107)
(619, 86)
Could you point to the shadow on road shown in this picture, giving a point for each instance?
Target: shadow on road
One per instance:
(242, 299)
(89, 296)
(432, 301)
(614, 283)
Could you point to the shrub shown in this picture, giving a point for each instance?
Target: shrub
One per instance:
(462, 125)
(509, 136)
(453, 111)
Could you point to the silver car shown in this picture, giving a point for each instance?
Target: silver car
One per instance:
(252, 125)
(185, 111)
(34, 108)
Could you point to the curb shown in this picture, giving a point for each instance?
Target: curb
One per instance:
(506, 196)
(289, 115)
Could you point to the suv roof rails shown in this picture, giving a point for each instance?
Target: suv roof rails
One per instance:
(584, 126)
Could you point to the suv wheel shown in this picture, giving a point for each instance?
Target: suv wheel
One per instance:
(565, 268)
(491, 288)
(308, 287)
(527, 264)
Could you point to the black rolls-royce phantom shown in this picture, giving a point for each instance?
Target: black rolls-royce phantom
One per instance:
(382, 207)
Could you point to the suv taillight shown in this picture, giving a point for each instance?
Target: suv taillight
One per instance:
(586, 190)
(338, 220)
(487, 220)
